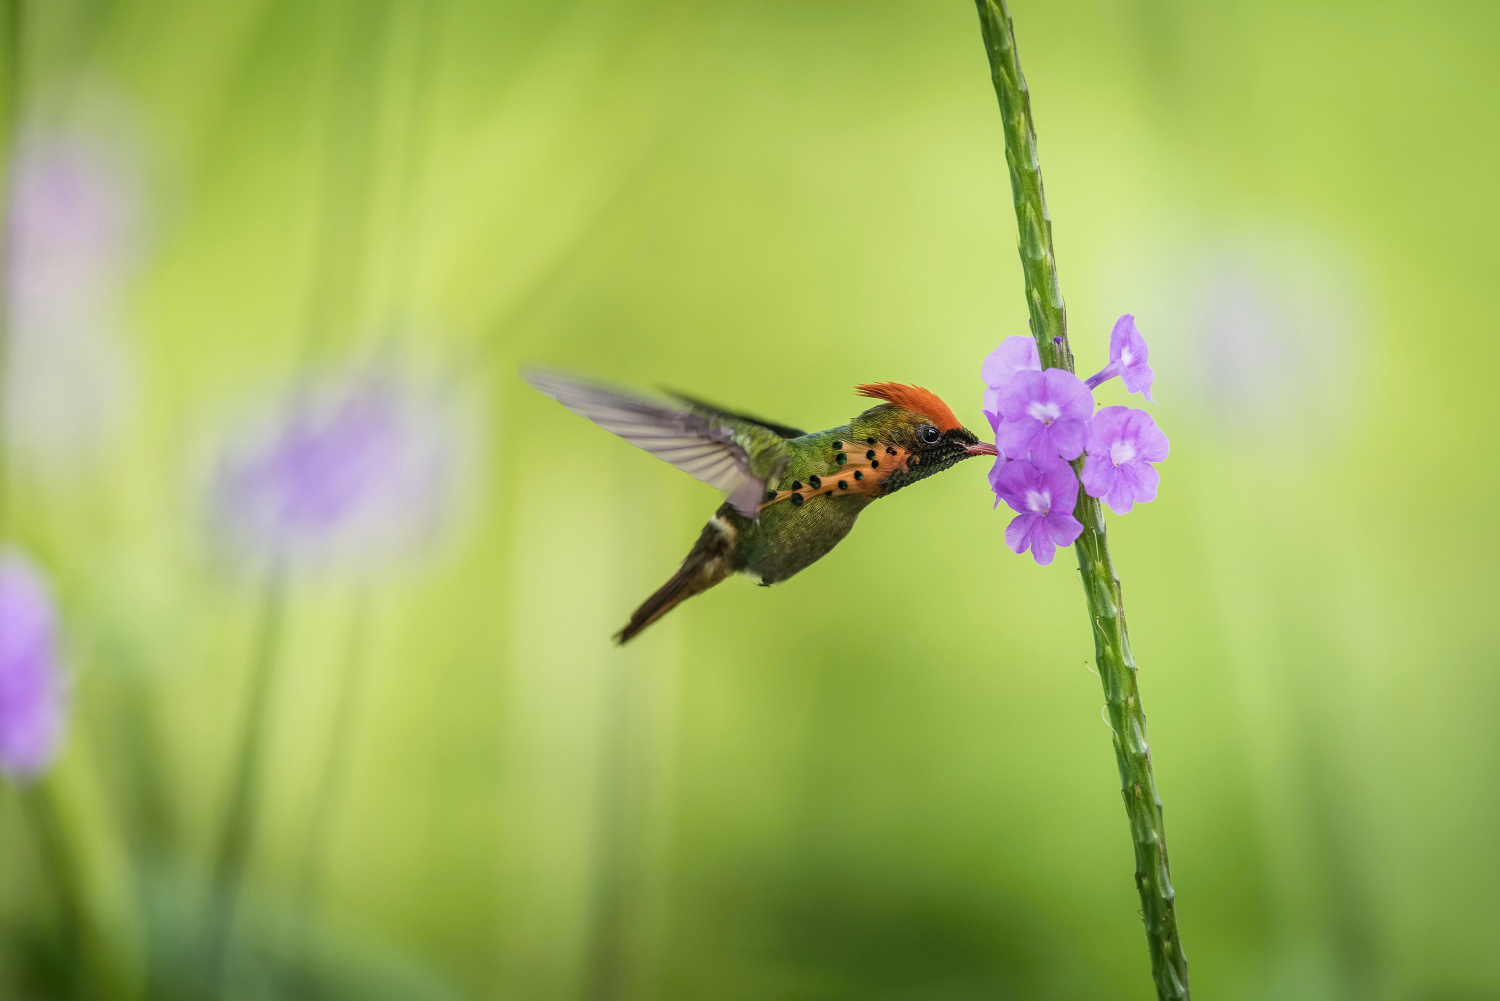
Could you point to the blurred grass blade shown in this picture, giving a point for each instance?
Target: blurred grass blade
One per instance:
(241, 817)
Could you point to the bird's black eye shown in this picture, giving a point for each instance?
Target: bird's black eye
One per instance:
(928, 435)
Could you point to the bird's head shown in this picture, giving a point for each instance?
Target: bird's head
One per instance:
(915, 430)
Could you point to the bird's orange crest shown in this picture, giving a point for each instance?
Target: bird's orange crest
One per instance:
(913, 398)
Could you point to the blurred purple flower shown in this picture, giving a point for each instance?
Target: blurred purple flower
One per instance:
(71, 228)
(351, 470)
(1044, 495)
(1042, 415)
(1127, 359)
(1015, 354)
(72, 214)
(1122, 444)
(33, 689)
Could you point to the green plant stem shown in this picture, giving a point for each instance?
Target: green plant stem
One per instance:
(67, 885)
(1049, 325)
(87, 965)
(341, 738)
(10, 107)
(607, 967)
(240, 818)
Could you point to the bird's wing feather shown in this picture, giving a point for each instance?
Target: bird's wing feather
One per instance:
(784, 430)
(737, 456)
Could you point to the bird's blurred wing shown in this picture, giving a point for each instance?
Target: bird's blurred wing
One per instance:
(782, 430)
(738, 457)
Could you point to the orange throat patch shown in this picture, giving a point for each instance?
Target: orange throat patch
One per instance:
(863, 469)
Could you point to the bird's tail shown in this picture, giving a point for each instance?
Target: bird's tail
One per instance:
(711, 560)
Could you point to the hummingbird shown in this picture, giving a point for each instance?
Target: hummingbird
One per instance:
(791, 495)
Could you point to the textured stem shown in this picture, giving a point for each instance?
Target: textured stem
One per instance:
(1049, 325)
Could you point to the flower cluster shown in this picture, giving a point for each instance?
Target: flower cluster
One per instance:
(1045, 419)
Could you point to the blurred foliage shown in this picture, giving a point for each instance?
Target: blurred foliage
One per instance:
(886, 778)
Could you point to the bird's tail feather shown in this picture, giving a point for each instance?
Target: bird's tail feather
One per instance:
(710, 561)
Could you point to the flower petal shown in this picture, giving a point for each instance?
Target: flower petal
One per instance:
(1136, 484)
(1125, 337)
(1015, 354)
(1064, 528)
(1106, 428)
(1016, 394)
(1059, 480)
(1138, 379)
(1128, 352)
(1150, 443)
(1011, 481)
(1018, 533)
(1042, 548)
(1099, 474)
(994, 476)
(1121, 496)
(1069, 392)
(1015, 438)
(1064, 439)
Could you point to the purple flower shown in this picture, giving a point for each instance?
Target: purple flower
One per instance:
(1122, 444)
(72, 213)
(33, 690)
(1044, 495)
(1015, 354)
(71, 240)
(1042, 415)
(1127, 359)
(344, 471)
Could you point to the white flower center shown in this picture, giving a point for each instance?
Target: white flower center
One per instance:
(1121, 452)
(1045, 411)
(1126, 357)
(1039, 501)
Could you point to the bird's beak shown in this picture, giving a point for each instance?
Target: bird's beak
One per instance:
(983, 448)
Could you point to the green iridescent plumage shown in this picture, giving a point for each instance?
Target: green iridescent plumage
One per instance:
(792, 496)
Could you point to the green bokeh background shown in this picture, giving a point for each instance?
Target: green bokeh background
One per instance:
(887, 778)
